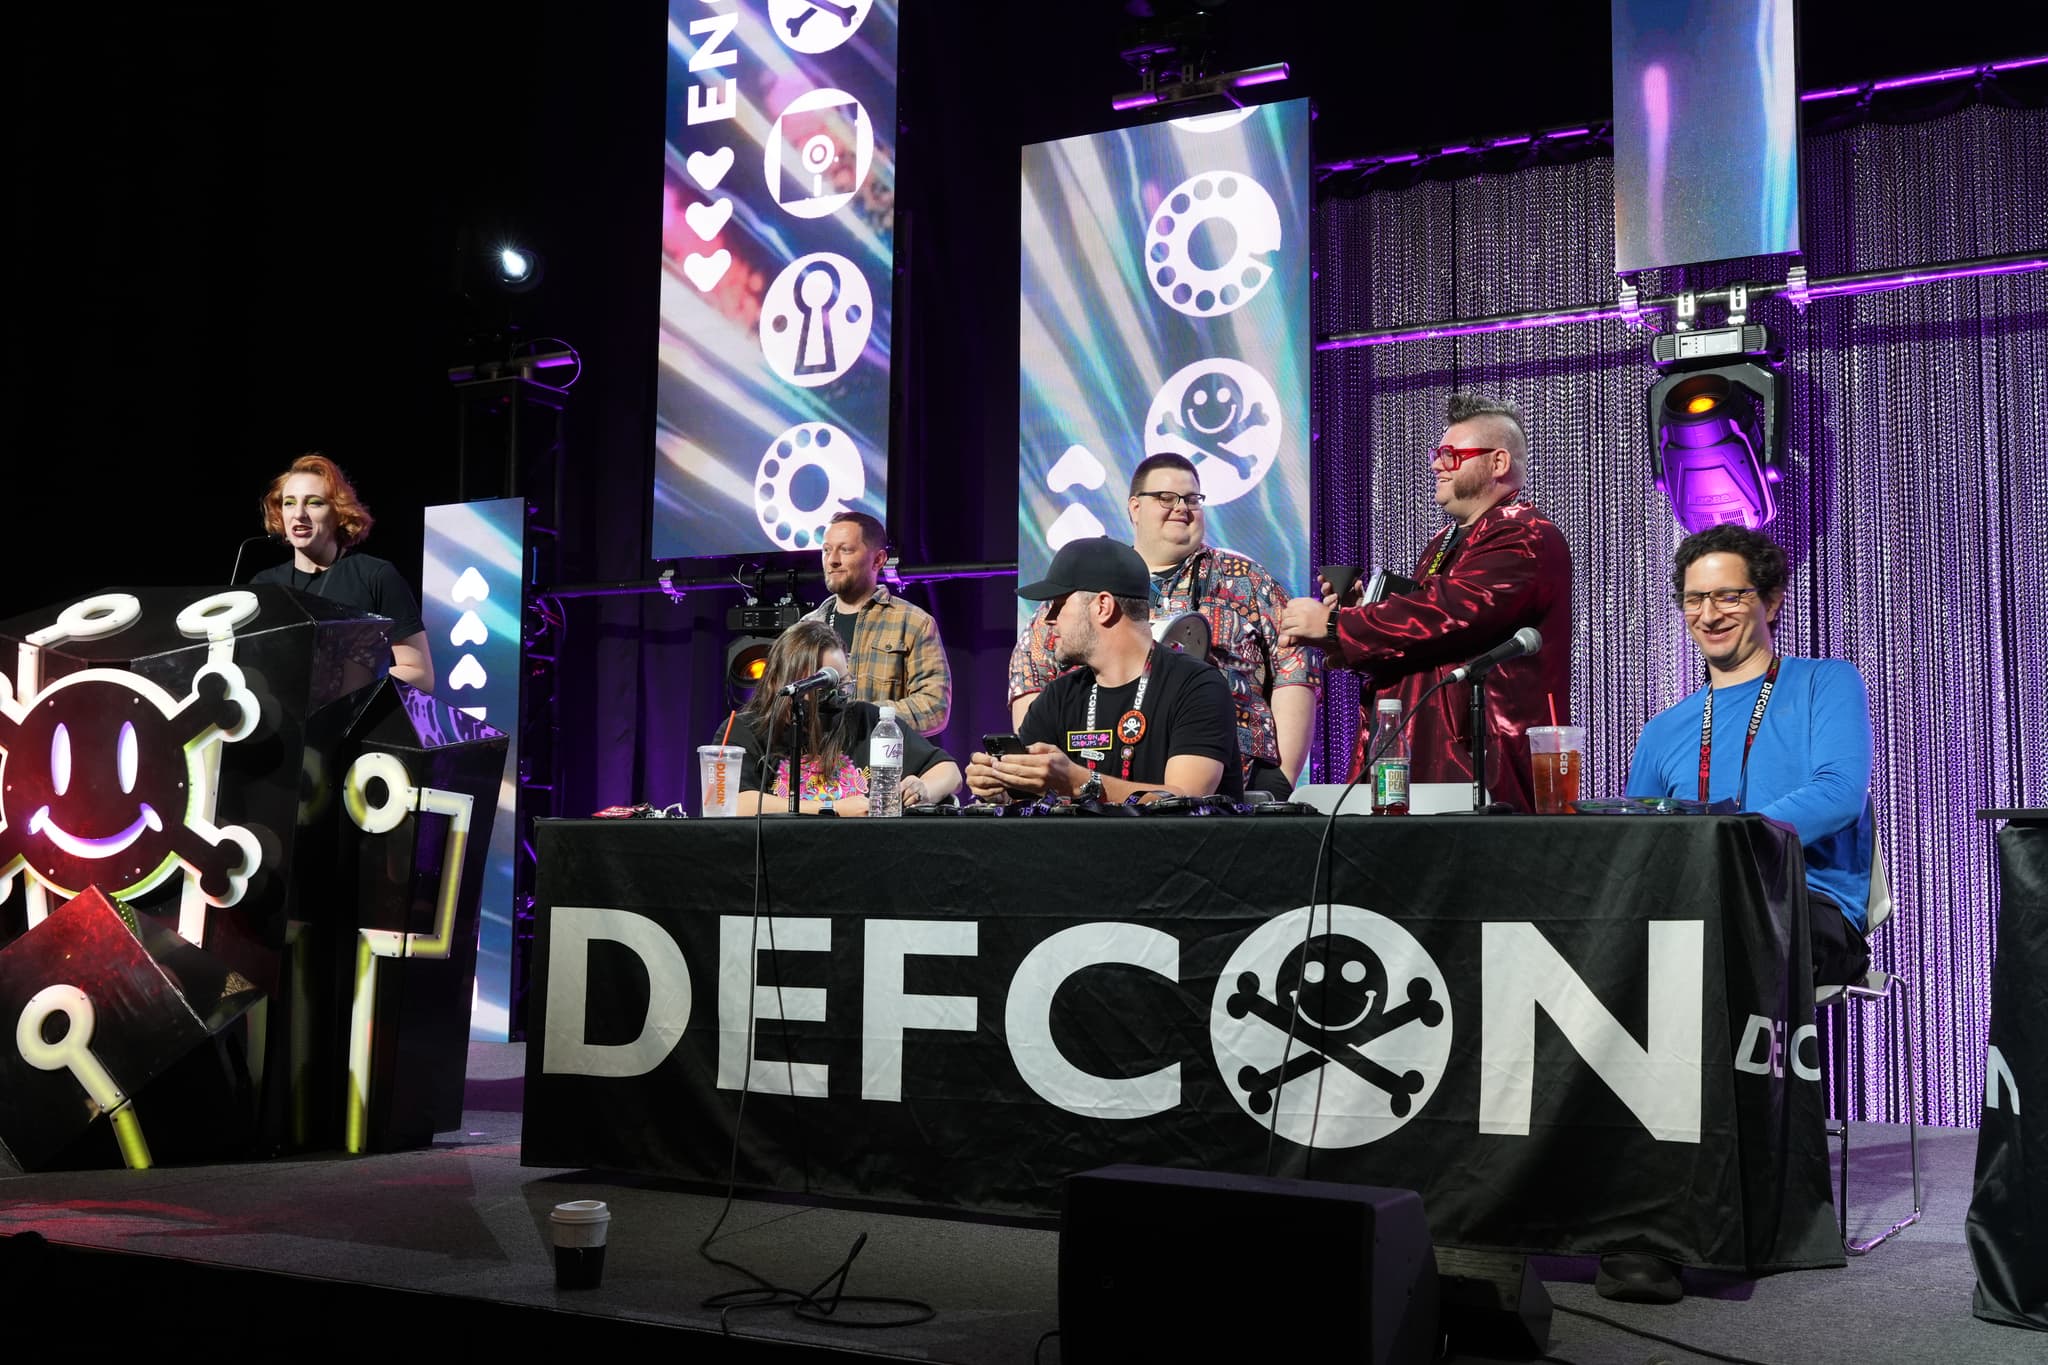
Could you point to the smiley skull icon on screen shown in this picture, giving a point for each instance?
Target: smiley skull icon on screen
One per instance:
(1213, 413)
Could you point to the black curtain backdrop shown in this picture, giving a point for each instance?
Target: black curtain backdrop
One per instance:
(233, 238)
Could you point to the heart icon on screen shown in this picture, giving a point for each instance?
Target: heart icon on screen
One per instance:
(708, 168)
(1078, 465)
(707, 219)
(707, 271)
(1076, 523)
(469, 587)
(469, 630)
(466, 673)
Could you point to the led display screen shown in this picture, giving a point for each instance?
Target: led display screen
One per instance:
(1706, 131)
(777, 260)
(1165, 308)
(471, 591)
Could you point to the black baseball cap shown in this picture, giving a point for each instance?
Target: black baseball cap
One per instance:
(1097, 564)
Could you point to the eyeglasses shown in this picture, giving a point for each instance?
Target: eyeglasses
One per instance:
(1452, 458)
(1173, 502)
(1727, 599)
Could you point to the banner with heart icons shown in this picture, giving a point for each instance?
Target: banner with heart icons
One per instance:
(778, 267)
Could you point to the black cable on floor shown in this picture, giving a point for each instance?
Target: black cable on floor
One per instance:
(764, 1293)
(1621, 1326)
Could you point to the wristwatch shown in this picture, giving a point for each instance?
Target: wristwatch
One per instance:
(1091, 790)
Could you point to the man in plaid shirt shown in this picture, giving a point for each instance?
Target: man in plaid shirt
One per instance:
(1275, 687)
(893, 646)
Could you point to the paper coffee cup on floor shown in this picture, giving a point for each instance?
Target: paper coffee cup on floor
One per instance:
(579, 1228)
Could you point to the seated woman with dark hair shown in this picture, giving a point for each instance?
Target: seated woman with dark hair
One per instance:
(314, 508)
(835, 741)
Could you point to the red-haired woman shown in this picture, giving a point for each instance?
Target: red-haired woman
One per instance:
(314, 508)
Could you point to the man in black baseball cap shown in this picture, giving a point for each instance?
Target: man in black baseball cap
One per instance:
(1129, 715)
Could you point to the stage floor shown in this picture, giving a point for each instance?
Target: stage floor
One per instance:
(465, 1219)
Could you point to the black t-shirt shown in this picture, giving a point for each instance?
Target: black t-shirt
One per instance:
(850, 775)
(1187, 709)
(364, 582)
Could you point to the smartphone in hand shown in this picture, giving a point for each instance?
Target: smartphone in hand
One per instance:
(1007, 746)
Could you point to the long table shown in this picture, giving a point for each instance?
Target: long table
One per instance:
(1569, 1034)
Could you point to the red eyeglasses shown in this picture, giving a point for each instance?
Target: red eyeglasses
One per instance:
(1452, 458)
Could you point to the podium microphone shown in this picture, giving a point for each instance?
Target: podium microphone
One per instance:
(824, 677)
(1523, 641)
(235, 574)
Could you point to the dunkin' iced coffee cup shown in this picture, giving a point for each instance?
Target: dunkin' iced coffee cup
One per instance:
(719, 767)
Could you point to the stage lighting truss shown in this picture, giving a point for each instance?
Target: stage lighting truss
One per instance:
(1715, 422)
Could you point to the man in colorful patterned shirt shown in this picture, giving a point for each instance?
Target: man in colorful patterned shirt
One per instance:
(1274, 687)
(894, 646)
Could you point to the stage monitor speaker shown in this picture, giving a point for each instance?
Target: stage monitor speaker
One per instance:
(1493, 1304)
(1161, 1264)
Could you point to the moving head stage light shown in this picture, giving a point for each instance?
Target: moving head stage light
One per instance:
(1716, 426)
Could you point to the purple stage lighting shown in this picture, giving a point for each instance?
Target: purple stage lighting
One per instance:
(1710, 454)
(1137, 99)
(1260, 75)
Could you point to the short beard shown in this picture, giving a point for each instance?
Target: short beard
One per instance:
(1073, 649)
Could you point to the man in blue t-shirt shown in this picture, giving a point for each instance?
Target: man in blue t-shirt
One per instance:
(1786, 738)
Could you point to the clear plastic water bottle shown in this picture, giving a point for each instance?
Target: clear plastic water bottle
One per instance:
(885, 767)
(1390, 769)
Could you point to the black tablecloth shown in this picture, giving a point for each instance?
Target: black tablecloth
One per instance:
(2008, 1222)
(1572, 1034)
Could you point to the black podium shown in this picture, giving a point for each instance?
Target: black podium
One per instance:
(176, 764)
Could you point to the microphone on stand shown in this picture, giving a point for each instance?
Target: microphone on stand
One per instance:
(824, 677)
(235, 574)
(1524, 641)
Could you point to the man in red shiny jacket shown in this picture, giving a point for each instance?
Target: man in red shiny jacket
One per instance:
(1499, 565)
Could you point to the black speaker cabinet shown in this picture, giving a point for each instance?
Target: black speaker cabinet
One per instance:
(1162, 1264)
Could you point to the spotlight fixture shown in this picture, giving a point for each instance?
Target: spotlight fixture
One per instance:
(746, 659)
(517, 268)
(754, 625)
(1716, 426)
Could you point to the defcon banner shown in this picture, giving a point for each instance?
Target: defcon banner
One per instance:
(1567, 1060)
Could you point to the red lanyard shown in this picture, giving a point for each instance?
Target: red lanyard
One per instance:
(1756, 718)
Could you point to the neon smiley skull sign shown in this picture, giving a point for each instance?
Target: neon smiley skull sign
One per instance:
(103, 782)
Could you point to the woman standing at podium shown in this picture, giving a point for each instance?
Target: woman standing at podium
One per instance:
(314, 508)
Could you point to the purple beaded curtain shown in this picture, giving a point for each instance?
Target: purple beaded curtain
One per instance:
(1912, 509)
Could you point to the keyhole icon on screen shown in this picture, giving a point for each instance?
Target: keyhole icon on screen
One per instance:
(817, 290)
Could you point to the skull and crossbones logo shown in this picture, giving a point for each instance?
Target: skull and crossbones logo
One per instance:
(1333, 997)
(1214, 412)
(103, 783)
(1345, 997)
